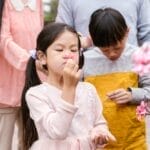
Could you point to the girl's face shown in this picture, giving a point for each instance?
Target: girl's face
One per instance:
(63, 48)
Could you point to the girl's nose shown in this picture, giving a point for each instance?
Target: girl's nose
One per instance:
(68, 56)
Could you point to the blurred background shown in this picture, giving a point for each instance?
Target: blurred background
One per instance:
(50, 10)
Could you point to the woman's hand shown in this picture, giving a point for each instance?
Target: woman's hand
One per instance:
(86, 41)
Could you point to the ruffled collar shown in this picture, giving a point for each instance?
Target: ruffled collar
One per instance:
(19, 5)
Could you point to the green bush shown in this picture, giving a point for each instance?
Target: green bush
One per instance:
(51, 16)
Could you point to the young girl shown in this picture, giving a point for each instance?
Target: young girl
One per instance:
(65, 113)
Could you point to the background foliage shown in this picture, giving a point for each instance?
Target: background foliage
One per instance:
(50, 15)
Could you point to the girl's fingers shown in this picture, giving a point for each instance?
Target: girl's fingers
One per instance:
(78, 74)
(96, 141)
(75, 69)
(70, 64)
(102, 141)
(100, 146)
(110, 137)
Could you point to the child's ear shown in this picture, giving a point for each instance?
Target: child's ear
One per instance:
(41, 57)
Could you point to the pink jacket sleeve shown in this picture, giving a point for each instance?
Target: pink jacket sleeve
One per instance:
(55, 121)
(100, 122)
(13, 53)
(41, 13)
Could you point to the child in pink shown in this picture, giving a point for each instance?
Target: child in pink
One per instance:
(61, 113)
(20, 24)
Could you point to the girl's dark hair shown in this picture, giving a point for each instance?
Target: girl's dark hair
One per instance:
(1, 11)
(45, 38)
(107, 27)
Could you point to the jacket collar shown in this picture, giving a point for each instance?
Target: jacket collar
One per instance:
(19, 5)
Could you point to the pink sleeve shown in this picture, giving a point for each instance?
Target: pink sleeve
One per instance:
(100, 122)
(41, 13)
(12, 52)
(55, 121)
(100, 125)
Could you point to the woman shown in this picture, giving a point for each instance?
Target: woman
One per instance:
(21, 21)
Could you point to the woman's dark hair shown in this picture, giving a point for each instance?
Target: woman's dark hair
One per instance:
(107, 27)
(1, 11)
(45, 38)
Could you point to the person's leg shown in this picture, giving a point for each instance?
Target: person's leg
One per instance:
(7, 122)
(19, 127)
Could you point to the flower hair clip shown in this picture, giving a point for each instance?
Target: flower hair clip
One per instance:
(33, 53)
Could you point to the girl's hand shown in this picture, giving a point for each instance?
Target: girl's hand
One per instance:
(120, 96)
(102, 139)
(71, 76)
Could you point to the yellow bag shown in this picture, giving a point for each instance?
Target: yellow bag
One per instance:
(122, 121)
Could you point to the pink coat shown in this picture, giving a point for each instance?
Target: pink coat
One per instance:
(61, 125)
(18, 36)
